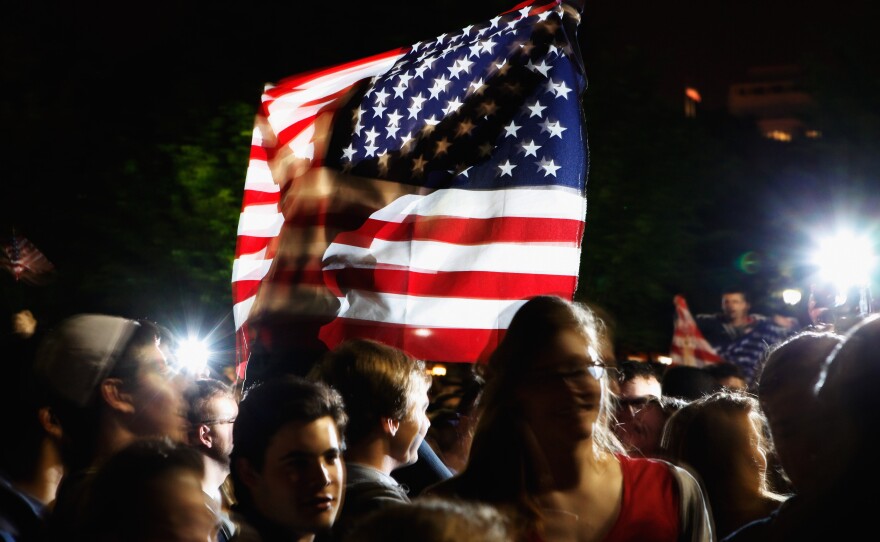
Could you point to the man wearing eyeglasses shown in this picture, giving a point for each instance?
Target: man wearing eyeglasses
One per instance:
(211, 414)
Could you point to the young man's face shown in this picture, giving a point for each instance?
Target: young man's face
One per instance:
(734, 305)
(413, 428)
(300, 485)
(222, 411)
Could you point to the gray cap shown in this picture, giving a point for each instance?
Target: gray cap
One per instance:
(80, 352)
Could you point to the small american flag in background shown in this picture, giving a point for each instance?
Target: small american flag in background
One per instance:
(689, 347)
(417, 197)
(26, 263)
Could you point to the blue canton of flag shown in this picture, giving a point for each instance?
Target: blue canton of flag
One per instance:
(493, 105)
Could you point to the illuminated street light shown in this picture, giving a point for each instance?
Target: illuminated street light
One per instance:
(846, 261)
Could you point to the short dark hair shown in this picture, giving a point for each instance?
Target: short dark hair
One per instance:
(630, 369)
(737, 289)
(375, 380)
(269, 405)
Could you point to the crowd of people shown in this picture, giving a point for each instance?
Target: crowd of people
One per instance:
(551, 440)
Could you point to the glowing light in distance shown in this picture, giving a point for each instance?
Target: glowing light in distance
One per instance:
(438, 370)
(665, 360)
(791, 296)
(193, 355)
(845, 260)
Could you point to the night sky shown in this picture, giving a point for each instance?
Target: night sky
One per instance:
(78, 79)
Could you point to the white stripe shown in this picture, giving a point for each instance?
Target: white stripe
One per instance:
(285, 117)
(443, 312)
(262, 208)
(259, 177)
(436, 256)
(241, 310)
(257, 137)
(513, 202)
(258, 255)
(256, 224)
(302, 145)
(247, 269)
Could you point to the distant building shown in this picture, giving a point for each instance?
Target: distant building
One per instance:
(774, 96)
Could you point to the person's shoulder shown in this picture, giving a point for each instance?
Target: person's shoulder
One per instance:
(444, 488)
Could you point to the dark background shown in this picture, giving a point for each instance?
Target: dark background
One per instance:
(126, 132)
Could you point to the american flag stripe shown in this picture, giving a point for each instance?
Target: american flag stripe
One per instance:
(457, 344)
(465, 230)
(430, 312)
(431, 256)
(435, 253)
(689, 347)
(459, 284)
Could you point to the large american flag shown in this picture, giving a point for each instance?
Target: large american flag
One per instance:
(417, 197)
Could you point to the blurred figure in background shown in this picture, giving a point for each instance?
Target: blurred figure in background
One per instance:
(432, 519)
(640, 422)
(720, 439)
(108, 384)
(740, 336)
(30, 456)
(786, 391)
(211, 413)
(638, 379)
(452, 428)
(151, 490)
(728, 375)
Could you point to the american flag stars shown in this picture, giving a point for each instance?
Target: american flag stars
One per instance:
(450, 99)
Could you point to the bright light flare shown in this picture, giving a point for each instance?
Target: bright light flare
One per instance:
(192, 355)
(791, 296)
(845, 260)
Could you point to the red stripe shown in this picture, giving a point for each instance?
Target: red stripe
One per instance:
(466, 231)
(463, 284)
(457, 345)
(257, 197)
(258, 152)
(535, 9)
(244, 289)
(293, 83)
(248, 244)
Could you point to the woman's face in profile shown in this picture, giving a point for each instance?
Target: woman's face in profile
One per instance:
(562, 393)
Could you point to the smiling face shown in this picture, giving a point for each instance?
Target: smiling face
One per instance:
(562, 394)
(300, 485)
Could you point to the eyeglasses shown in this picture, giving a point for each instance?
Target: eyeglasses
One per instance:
(636, 404)
(571, 374)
